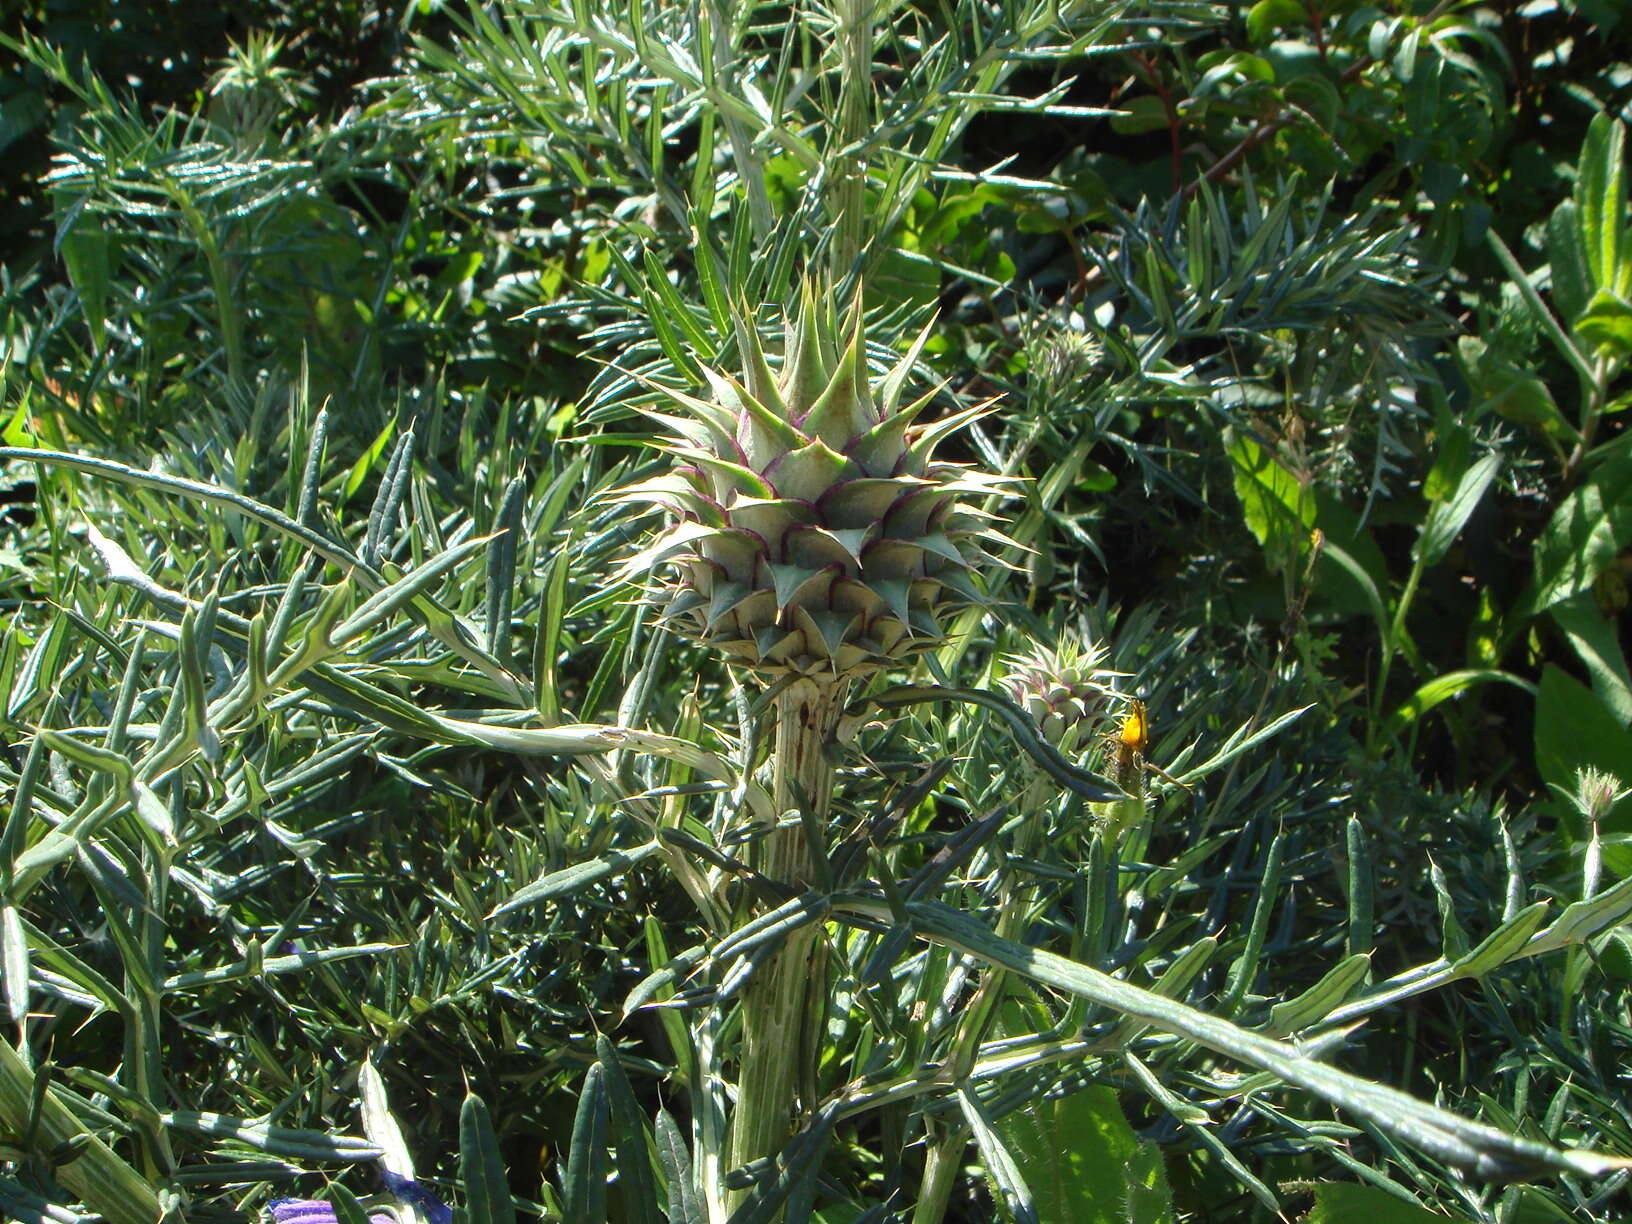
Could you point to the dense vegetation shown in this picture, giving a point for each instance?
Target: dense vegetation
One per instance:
(351, 770)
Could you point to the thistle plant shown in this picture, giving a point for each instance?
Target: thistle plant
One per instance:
(286, 823)
(814, 539)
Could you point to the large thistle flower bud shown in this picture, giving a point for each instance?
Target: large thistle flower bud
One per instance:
(813, 531)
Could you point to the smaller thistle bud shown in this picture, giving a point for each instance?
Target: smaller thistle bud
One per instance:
(1064, 690)
(1061, 358)
(1596, 792)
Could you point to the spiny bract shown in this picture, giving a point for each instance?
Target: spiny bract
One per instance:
(812, 529)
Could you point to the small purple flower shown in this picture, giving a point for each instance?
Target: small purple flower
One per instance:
(312, 1211)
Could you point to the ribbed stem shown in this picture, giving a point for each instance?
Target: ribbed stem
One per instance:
(101, 1180)
(855, 126)
(942, 1167)
(785, 1005)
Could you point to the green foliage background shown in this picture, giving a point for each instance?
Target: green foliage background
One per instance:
(1311, 325)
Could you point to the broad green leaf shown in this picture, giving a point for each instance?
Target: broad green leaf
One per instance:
(1084, 1164)
(1278, 507)
(1451, 457)
(1600, 201)
(1597, 643)
(1339, 561)
(1615, 479)
(1606, 15)
(1511, 392)
(913, 279)
(1139, 115)
(1606, 325)
(1442, 688)
(1571, 278)
(1351, 572)
(1543, 317)
(1576, 546)
(1614, 954)
(1226, 72)
(18, 431)
(1096, 478)
(1447, 518)
(1405, 57)
(1267, 16)
(1575, 729)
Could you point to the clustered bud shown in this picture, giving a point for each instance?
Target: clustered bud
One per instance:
(1060, 359)
(1596, 792)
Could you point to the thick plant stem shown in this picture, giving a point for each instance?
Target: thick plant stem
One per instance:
(942, 1167)
(785, 1005)
(101, 1180)
(855, 34)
